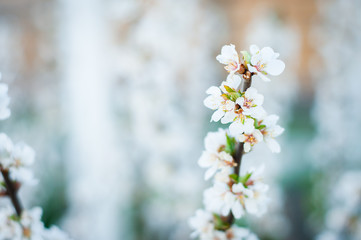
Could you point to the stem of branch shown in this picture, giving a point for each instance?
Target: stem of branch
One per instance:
(11, 191)
(247, 81)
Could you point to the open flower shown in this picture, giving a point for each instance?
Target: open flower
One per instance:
(233, 81)
(257, 204)
(230, 58)
(216, 102)
(214, 157)
(241, 124)
(271, 131)
(251, 103)
(202, 224)
(250, 138)
(264, 62)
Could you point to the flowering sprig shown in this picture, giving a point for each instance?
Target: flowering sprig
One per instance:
(238, 104)
(17, 223)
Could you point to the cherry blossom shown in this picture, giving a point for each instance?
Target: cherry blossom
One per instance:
(230, 58)
(264, 62)
(271, 131)
(250, 138)
(217, 102)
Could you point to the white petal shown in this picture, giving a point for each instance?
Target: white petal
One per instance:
(206, 160)
(237, 210)
(252, 69)
(217, 115)
(275, 67)
(248, 125)
(238, 188)
(236, 128)
(228, 117)
(233, 81)
(267, 54)
(270, 120)
(213, 91)
(254, 49)
(251, 206)
(273, 145)
(247, 147)
(242, 138)
(250, 93)
(210, 172)
(277, 130)
(258, 135)
(263, 77)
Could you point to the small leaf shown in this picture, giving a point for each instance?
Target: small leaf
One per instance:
(234, 177)
(245, 178)
(230, 145)
(246, 57)
(219, 223)
(225, 96)
(228, 89)
(234, 96)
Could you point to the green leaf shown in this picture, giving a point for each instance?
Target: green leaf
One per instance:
(233, 96)
(228, 89)
(234, 177)
(219, 224)
(245, 178)
(225, 96)
(15, 217)
(246, 57)
(230, 145)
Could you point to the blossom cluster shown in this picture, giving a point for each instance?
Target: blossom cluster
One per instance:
(17, 158)
(15, 162)
(249, 121)
(235, 102)
(27, 226)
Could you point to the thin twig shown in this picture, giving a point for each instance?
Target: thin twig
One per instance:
(12, 191)
(247, 81)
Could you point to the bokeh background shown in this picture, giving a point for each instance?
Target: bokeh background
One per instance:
(109, 93)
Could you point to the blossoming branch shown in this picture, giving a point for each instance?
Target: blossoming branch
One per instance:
(238, 104)
(17, 223)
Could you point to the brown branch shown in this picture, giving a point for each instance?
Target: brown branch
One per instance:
(247, 81)
(11, 191)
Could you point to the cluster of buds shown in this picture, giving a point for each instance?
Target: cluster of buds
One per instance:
(17, 223)
(238, 104)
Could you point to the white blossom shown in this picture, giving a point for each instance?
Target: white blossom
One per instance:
(250, 138)
(264, 62)
(214, 157)
(249, 196)
(202, 224)
(9, 229)
(251, 103)
(28, 227)
(4, 102)
(257, 204)
(31, 222)
(216, 102)
(233, 81)
(203, 227)
(271, 131)
(230, 58)
(240, 124)
(17, 159)
(24, 157)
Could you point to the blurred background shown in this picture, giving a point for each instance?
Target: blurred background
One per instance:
(110, 95)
